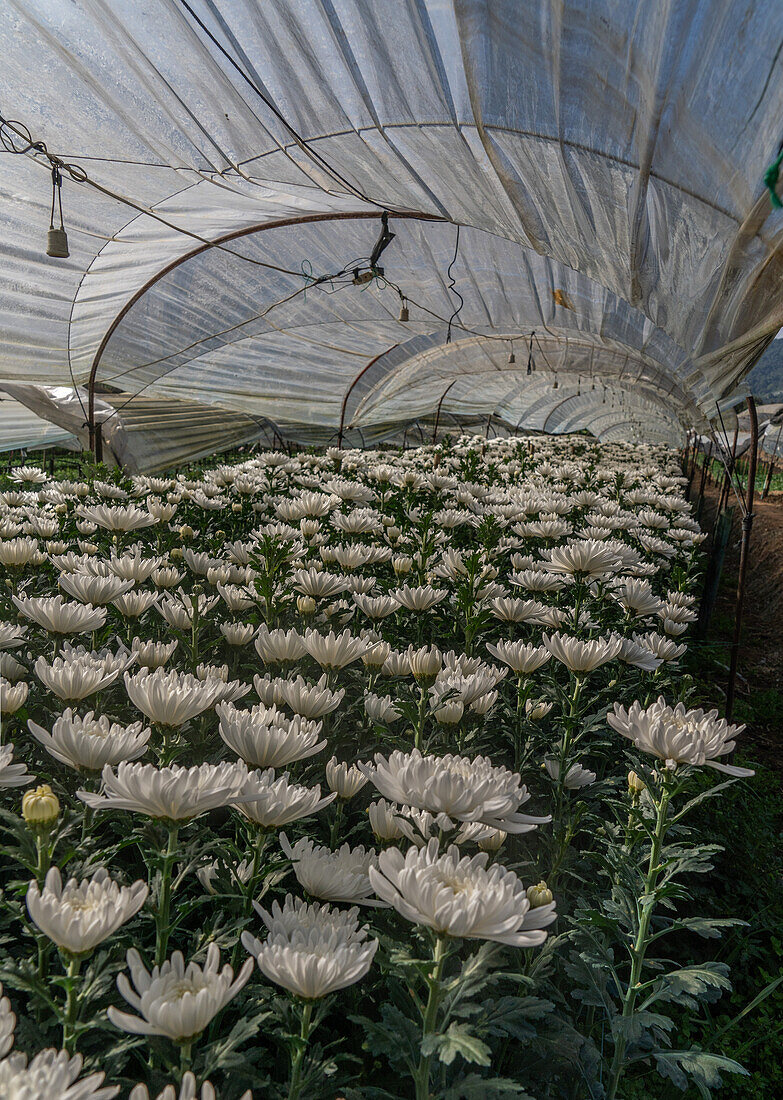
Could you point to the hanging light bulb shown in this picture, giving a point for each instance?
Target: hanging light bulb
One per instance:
(511, 357)
(57, 238)
(403, 310)
(555, 384)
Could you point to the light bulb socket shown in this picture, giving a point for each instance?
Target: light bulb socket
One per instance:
(57, 243)
(404, 316)
(512, 358)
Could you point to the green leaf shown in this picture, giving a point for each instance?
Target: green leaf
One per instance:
(691, 984)
(704, 1069)
(457, 1039)
(474, 1087)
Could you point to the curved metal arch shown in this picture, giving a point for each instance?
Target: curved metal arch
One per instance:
(235, 234)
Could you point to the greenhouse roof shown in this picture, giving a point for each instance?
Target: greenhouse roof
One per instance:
(582, 234)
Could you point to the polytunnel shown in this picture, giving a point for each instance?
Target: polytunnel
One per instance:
(582, 235)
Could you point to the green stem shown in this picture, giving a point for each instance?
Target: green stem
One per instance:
(185, 1058)
(295, 1086)
(429, 1020)
(164, 903)
(71, 1006)
(252, 882)
(419, 731)
(337, 820)
(641, 942)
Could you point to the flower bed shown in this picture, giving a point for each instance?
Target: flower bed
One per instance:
(315, 777)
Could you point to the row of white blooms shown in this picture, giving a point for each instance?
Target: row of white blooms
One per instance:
(324, 576)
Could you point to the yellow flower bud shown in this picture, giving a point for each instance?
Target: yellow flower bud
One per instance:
(635, 784)
(220, 535)
(40, 807)
(236, 508)
(305, 605)
(539, 895)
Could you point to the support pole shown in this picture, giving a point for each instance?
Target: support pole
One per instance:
(747, 525)
(771, 468)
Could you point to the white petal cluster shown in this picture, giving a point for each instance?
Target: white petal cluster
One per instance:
(264, 737)
(176, 1000)
(312, 950)
(678, 736)
(271, 803)
(456, 786)
(171, 794)
(171, 698)
(459, 896)
(332, 876)
(81, 915)
(89, 743)
(59, 616)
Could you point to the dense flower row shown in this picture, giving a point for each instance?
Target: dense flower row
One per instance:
(393, 693)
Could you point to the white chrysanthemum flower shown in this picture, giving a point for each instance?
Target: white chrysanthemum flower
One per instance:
(12, 775)
(317, 583)
(7, 1024)
(424, 664)
(310, 700)
(71, 677)
(172, 794)
(12, 696)
(51, 1075)
(81, 915)
(637, 597)
(458, 896)
(266, 738)
(332, 876)
(96, 590)
(576, 776)
(640, 656)
(11, 635)
(272, 803)
(59, 616)
(188, 1090)
(678, 736)
(311, 950)
(581, 656)
(583, 557)
(511, 610)
(279, 646)
(420, 598)
(89, 743)
(129, 518)
(334, 651)
(16, 552)
(238, 634)
(171, 698)
(460, 788)
(381, 708)
(153, 655)
(132, 605)
(375, 607)
(176, 1000)
(665, 649)
(346, 780)
(522, 658)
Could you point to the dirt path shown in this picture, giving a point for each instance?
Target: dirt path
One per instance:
(760, 686)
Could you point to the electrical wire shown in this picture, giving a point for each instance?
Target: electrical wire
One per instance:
(452, 288)
(320, 161)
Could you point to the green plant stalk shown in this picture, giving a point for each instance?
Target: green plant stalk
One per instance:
(185, 1058)
(337, 821)
(297, 1060)
(569, 727)
(641, 942)
(418, 733)
(252, 883)
(71, 1005)
(429, 1019)
(164, 904)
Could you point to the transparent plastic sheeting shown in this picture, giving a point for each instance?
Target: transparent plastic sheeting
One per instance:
(21, 429)
(604, 160)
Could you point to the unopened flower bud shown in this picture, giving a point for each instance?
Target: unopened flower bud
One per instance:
(536, 711)
(236, 508)
(220, 535)
(492, 841)
(539, 895)
(305, 605)
(175, 553)
(635, 784)
(40, 807)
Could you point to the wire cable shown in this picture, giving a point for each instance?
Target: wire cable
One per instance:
(319, 160)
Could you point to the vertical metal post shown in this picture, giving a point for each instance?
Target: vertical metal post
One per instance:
(771, 469)
(747, 525)
(98, 442)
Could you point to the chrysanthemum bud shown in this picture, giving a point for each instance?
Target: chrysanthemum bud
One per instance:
(635, 784)
(305, 605)
(492, 841)
(535, 711)
(538, 895)
(40, 807)
(236, 508)
(220, 535)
